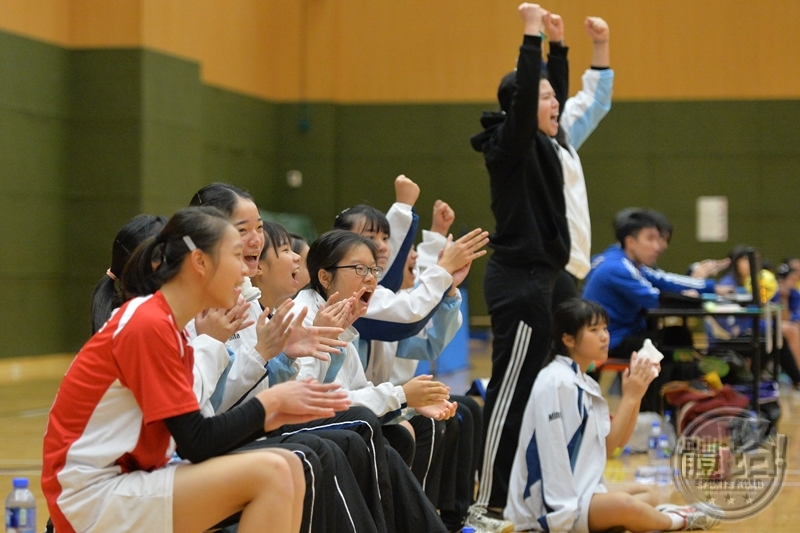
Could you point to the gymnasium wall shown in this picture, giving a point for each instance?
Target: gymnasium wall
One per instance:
(108, 109)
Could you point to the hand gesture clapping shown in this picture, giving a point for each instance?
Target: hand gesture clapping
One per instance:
(312, 341)
(220, 324)
(463, 251)
(297, 402)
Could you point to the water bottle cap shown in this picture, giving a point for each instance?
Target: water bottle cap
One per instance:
(467, 529)
(656, 423)
(626, 450)
(663, 438)
(20, 482)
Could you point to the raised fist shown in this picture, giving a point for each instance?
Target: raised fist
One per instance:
(597, 29)
(554, 27)
(405, 190)
(531, 15)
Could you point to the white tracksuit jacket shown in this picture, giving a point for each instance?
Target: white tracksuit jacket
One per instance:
(561, 455)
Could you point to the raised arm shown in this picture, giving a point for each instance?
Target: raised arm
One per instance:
(434, 241)
(403, 224)
(635, 381)
(583, 112)
(521, 121)
(598, 31)
(557, 66)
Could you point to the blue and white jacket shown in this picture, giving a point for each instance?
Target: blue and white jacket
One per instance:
(627, 291)
(561, 454)
(581, 115)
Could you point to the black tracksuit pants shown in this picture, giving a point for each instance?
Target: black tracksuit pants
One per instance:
(519, 302)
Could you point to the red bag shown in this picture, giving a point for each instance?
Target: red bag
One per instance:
(691, 402)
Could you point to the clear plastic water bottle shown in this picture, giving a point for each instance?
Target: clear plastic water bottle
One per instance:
(20, 508)
(647, 474)
(652, 442)
(663, 469)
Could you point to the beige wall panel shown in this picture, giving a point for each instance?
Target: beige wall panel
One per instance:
(46, 20)
(229, 39)
(105, 23)
(433, 50)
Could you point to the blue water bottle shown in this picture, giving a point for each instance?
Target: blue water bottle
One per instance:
(20, 508)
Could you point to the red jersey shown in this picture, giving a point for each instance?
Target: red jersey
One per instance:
(108, 415)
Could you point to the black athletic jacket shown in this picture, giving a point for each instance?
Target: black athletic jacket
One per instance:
(527, 184)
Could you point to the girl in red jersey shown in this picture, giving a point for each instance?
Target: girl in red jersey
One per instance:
(128, 395)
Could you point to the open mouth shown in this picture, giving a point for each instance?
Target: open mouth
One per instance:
(251, 261)
(294, 274)
(366, 296)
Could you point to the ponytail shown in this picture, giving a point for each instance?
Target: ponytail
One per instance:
(159, 259)
(106, 297)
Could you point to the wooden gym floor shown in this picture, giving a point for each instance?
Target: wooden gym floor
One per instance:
(28, 386)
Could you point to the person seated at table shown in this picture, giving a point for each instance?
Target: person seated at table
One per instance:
(621, 281)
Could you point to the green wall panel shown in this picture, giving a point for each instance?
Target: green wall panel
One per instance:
(239, 142)
(92, 137)
(34, 110)
(34, 77)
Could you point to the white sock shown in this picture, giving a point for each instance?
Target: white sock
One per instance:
(678, 522)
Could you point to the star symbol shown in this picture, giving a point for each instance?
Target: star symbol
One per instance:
(748, 499)
(730, 499)
(710, 499)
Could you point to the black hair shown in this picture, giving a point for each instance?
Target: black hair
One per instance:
(329, 249)
(736, 253)
(664, 225)
(505, 91)
(629, 223)
(223, 196)
(275, 236)
(298, 242)
(568, 319)
(373, 219)
(201, 227)
(106, 296)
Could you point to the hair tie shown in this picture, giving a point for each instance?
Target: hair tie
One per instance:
(111, 274)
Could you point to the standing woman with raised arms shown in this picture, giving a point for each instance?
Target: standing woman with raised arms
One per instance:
(130, 389)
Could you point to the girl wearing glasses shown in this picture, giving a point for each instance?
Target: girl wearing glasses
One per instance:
(343, 267)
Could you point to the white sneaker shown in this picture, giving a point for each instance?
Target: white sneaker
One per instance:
(478, 520)
(692, 518)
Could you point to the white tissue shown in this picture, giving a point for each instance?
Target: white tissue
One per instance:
(648, 352)
(249, 292)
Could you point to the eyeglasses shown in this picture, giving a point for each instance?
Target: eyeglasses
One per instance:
(362, 270)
